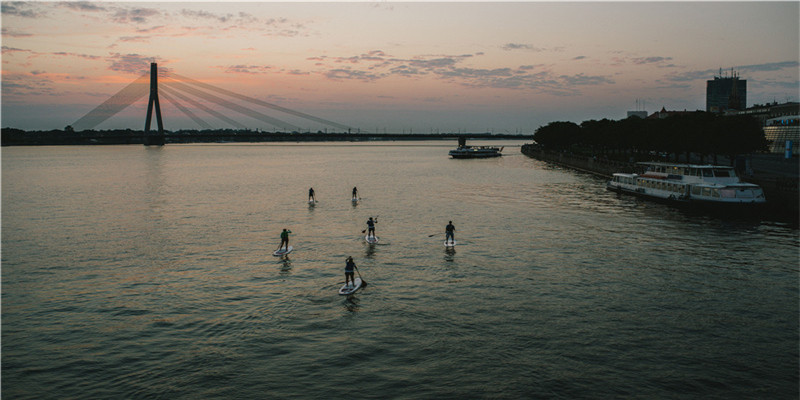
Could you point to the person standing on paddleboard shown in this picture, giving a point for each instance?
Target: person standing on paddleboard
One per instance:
(311, 195)
(371, 226)
(348, 272)
(285, 239)
(355, 193)
(449, 232)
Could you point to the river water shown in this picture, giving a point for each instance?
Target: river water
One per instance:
(135, 272)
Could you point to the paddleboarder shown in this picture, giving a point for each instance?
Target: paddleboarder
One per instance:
(371, 226)
(348, 272)
(355, 193)
(449, 232)
(284, 239)
(311, 195)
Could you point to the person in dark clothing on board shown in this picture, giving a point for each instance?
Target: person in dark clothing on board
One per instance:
(449, 232)
(348, 272)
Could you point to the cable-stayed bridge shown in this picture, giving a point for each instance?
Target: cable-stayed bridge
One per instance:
(194, 99)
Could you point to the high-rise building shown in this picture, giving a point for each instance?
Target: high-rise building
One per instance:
(726, 93)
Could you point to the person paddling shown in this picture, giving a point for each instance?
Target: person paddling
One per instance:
(348, 272)
(284, 239)
(371, 226)
(311, 195)
(355, 193)
(449, 232)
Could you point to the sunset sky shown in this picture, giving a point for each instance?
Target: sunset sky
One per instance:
(396, 66)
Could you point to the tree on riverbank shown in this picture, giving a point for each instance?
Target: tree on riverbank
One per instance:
(699, 133)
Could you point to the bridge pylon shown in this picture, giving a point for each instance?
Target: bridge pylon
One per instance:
(156, 139)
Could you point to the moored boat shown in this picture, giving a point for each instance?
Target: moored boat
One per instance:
(688, 183)
(476, 152)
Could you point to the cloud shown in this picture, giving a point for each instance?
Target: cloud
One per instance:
(130, 63)
(246, 69)
(376, 64)
(650, 60)
(8, 33)
(345, 74)
(143, 39)
(82, 6)
(151, 29)
(581, 79)
(776, 66)
(520, 46)
(206, 15)
(84, 56)
(135, 15)
(21, 9)
(9, 50)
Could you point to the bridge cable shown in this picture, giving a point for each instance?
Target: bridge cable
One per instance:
(179, 106)
(116, 103)
(203, 107)
(231, 106)
(256, 101)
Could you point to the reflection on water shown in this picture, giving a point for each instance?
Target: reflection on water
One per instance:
(148, 272)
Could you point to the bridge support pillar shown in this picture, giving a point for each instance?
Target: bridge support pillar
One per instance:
(156, 139)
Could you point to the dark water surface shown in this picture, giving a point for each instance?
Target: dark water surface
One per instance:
(133, 272)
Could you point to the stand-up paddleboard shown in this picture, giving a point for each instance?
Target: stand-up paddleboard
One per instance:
(449, 243)
(312, 202)
(355, 199)
(282, 252)
(350, 289)
(371, 239)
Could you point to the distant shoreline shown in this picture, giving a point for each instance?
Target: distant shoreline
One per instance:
(17, 137)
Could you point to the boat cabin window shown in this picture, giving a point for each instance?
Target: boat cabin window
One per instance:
(706, 191)
(707, 172)
(715, 193)
(696, 190)
(724, 173)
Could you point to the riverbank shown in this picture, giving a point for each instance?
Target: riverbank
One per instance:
(17, 137)
(778, 177)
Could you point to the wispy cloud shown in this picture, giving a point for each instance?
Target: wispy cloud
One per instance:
(376, 64)
(142, 39)
(521, 46)
(9, 33)
(776, 66)
(10, 50)
(131, 63)
(22, 9)
(134, 15)
(650, 60)
(246, 69)
(83, 6)
(346, 74)
(84, 56)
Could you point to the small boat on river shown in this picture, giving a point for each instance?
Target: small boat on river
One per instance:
(464, 151)
(688, 183)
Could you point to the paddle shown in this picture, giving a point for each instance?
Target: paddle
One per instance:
(363, 282)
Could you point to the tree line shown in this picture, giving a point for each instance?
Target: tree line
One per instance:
(700, 133)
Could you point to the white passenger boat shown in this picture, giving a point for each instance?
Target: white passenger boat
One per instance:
(688, 183)
(464, 151)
